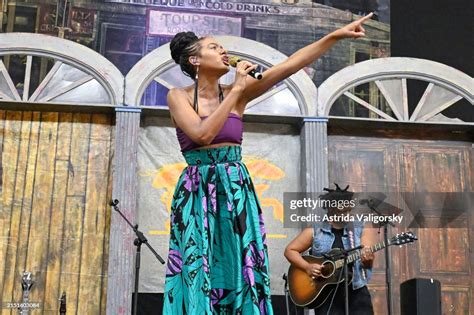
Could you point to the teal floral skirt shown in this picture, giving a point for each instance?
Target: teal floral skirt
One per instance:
(218, 259)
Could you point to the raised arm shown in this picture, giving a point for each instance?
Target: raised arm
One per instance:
(303, 58)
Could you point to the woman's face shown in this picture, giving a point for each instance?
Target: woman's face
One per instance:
(213, 57)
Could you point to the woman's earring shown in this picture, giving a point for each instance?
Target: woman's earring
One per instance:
(197, 72)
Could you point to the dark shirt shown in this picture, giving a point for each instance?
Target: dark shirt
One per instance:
(338, 237)
(359, 300)
(338, 241)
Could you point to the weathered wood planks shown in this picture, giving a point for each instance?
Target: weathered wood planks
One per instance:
(55, 217)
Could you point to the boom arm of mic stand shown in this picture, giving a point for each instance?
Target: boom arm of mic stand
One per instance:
(140, 236)
(378, 212)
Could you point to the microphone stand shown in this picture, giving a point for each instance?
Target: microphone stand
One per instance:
(345, 254)
(346, 286)
(141, 239)
(62, 305)
(346, 280)
(286, 294)
(388, 261)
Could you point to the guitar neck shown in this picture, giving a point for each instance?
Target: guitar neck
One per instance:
(356, 255)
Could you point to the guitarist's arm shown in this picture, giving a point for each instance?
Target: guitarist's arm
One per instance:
(368, 237)
(298, 245)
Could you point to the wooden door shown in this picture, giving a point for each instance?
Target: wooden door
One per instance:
(389, 165)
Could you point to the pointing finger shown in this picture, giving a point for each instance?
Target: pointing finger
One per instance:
(367, 17)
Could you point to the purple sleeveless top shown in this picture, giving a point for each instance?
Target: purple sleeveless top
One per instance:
(230, 132)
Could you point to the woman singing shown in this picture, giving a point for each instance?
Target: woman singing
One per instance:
(218, 261)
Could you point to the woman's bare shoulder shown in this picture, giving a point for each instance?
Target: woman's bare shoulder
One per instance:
(184, 92)
(181, 90)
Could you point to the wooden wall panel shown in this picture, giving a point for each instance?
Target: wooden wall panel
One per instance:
(376, 164)
(55, 216)
(40, 213)
(443, 253)
(3, 222)
(72, 242)
(64, 137)
(95, 220)
(2, 131)
(369, 166)
(378, 293)
(18, 160)
(444, 250)
(76, 185)
(471, 223)
(455, 300)
(55, 237)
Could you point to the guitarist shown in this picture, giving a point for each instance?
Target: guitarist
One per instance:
(323, 237)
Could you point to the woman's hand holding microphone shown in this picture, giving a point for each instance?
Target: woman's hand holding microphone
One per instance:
(243, 68)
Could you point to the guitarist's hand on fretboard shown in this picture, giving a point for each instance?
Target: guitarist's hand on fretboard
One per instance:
(367, 258)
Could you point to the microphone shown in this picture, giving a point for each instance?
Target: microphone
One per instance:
(234, 60)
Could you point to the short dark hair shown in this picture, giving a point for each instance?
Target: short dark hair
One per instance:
(337, 194)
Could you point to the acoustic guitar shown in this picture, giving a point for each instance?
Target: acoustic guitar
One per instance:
(313, 293)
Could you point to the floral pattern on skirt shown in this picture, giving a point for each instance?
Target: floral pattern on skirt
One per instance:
(218, 257)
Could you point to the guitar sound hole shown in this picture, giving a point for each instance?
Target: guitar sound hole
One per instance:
(328, 269)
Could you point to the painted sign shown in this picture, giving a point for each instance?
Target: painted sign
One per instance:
(168, 23)
(82, 21)
(216, 5)
(47, 19)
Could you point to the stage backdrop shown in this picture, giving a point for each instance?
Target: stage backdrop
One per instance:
(406, 165)
(274, 170)
(54, 219)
